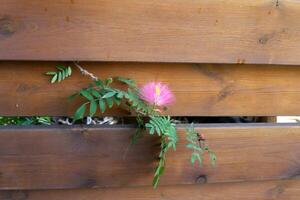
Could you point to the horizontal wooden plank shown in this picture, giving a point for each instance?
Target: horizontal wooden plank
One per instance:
(262, 190)
(207, 31)
(201, 90)
(90, 157)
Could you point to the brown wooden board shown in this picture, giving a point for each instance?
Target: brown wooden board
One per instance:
(261, 190)
(200, 90)
(73, 157)
(211, 31)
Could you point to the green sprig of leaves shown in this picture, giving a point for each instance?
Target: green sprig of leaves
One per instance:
(101, 95)
(98, 96)
(60, 75)
(198, 146)
(164, 127)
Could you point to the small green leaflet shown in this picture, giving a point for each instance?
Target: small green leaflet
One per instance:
(87, 95)
(54, 78)
(102, 105)
(109, 102)
(127, 81)
(79, 114)
(109, 94)
(196, 156)
(93, 108)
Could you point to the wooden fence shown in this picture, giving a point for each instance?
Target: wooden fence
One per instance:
(254, 45)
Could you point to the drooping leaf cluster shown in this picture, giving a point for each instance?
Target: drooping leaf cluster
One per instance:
(166, 129)
(198, 146)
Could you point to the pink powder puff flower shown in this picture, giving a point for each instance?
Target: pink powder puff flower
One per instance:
(157, 93)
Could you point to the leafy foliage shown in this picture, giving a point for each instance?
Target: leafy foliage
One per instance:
(198, 146)
(25, 121)
(98, 96)
(164, 127)
(62, 73)
(101, 95)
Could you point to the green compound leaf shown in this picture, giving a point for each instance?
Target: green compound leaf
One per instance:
(198, 147)
(60, 75)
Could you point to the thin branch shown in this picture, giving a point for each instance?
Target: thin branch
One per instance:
(85, 72)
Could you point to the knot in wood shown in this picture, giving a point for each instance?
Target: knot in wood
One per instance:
(7, 26)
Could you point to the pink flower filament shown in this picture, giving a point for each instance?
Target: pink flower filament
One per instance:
(157, 93)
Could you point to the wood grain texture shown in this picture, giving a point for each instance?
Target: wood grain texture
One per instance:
(207, 31)
(62, 157)
(201, 90)
(261, 190)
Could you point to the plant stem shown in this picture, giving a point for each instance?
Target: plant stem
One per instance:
(85, 72)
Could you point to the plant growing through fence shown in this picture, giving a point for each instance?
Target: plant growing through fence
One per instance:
(147, 103)
(4, 121)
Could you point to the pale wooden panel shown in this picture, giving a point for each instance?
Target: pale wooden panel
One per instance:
(201, 90)
(61, 157)
(211, 31)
